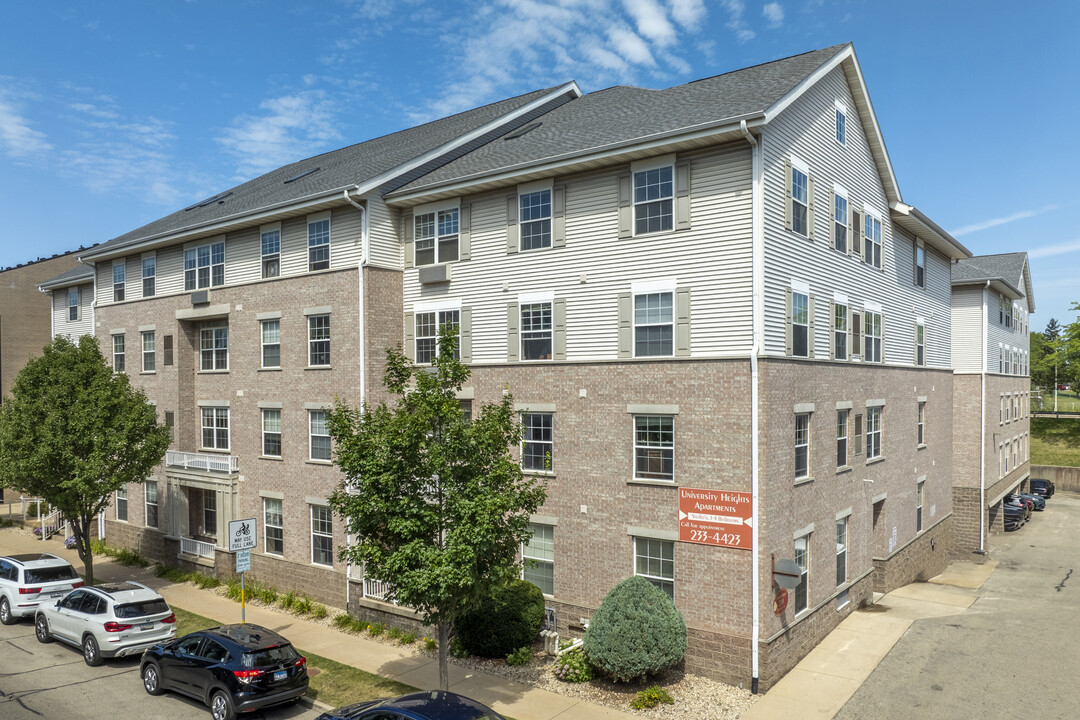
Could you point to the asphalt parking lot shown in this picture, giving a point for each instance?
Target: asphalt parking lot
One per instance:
(1012, 654)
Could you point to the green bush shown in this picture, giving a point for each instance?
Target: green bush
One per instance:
(573, 667)
(205, 582)
(319, 611)
(508, 617)
(431, 644)
(408, 638)
(521, 656)
(651, 697)
(304, 605)
(394, 633)
(457, 649)
(375, 629)
(636, 632)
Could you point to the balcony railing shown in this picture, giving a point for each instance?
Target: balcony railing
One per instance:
(202, 461)
(191, 546)
(374, 589)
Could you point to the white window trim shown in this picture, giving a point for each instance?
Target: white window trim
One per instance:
(839, 107)
(262, 436)
(634, 442)
(122, 494)
(805, 535)
(435, 207)
(312, 435)
(147, 504)
(536, 409)
(525, 557)
(528, 189)
(263, 344)
(546, 298)
(152, 352)
(650, 578)
(228, 427)
(310, 220)
(152, 255)
(797, 164)
(329, 340)
(195, 245)
(653, 163)
(213, 348)
(311, 527)
(847, 544)
(437, 306)
(633, 313)
(266, 535)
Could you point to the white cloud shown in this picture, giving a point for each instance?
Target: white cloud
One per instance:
(651, 21)
(1021, 215)
(688, 13)
(18, 139)
(1063, 248)
(630, 46)
(774, 14)
(736, 24)
(290, 128)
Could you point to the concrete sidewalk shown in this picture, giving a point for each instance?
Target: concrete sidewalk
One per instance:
(509, 698)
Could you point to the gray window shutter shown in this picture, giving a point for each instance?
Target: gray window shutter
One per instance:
(787, 197)
(558, 216)
(626, 330)
(465, 335)
(407, 234)
(811, 342)
(856, 334)
(559, 310)
(882, 358)
(856, 233)
(832, 330)
(914, 343)
(850, 234)
(682, 322)
(465, 231)
(625, 209)
(810, 209)
(410, 337)
(787, 320)
(512, 223)
(832, 218)
(682, 196)
(513, 344)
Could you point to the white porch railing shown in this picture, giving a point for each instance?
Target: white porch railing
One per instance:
(50, 524)
(374, 589)
(202, 461)
(191, 546)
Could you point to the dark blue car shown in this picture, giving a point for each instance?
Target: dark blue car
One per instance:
(432, 705)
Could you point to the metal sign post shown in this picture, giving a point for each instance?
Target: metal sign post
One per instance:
(243, 535)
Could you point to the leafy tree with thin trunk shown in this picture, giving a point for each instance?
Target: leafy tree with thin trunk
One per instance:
(436, 503)
(73, 432)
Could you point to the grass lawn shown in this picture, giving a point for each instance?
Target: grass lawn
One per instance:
(1055, 442)
(1067, 401)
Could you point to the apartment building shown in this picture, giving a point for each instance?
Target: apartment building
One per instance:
(992, 301)
(706, 300)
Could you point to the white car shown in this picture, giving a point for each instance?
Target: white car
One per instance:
(108, 620)
(26, 580)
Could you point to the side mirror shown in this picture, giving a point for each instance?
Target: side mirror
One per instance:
(58, 603)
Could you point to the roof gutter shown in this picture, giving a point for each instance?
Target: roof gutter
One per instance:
(910, 211)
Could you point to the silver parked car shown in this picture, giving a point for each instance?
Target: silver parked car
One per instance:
(33, 578)
(108, 620)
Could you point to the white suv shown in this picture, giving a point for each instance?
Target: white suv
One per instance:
(107, 620)
(26, 580)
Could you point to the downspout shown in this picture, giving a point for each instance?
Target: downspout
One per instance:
(982, 410)
(52, 312)
(363, 375)
(758, 284)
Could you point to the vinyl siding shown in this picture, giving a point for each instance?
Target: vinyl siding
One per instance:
(73, 329)
(998, 333)
(967, 333)
(384, 247)
(806, 130)
(712, 259)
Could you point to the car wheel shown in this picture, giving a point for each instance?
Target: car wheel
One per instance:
(90, 652)
(221, 706)
(151, 679)
(5, 612)
(41, 629)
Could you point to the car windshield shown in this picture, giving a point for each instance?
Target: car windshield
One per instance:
(140, 609)
(270, 656)
(51, 574)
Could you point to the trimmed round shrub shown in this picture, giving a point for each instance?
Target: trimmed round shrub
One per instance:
(636, 632)
(508, 618)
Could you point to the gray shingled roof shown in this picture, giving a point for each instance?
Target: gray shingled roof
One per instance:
(623, 114)
(337, 169)
(75, 276)
(1009, 268)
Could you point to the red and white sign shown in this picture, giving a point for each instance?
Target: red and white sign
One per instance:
(716, 517)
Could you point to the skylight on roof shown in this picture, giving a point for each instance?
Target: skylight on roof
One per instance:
(523, 130)
(304, 174)
(219, 198)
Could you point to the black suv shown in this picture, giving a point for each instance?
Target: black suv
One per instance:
(232, 668)
(1038, 486)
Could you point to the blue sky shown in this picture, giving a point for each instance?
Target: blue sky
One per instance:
(113, 114)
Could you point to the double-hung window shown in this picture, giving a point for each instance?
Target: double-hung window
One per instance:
(270, 245)
(204, 266)
(536, 331)
(209, 513)
(535, 219)
(654, 447)
(842, 438)
(150, 491)
(319, 434)
(121, 504)
(841, 123)
(872, 240)
(118, 352)
(920, 266)
(271, 343)
(920, 342)
(654, 560)
(921, 425)
(538, 443)
(919, 506)
(840, 331)
(653, 325)
(318, 241)
(271, 432)
(214, 348)
(322, 535)
(118, 272)
(872, 336)
(800, 324)
(436, 236)
(800, 201)
(149, 356)
(428, 325)
(802, 445)
(149, 275)
(653, 196)
(840, 227)
(73, 304)
(318, 340)
(802, 559)
(273, 527)
(841, 551)
(215, 428)
(873, 433)
(538, 556)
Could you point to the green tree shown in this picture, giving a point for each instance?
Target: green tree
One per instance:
(73, 432)
(1043, 358)
(438, 504)
(1052, 331)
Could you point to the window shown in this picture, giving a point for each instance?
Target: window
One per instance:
(151, 504)
(857, 436)
(214, 348)
(841, 551)
(209, 513)
(322, 536)
(842, 438)
(920, 266)
(73, 304)
(318, 241)
(271, 343)
(840, 331)
(1008, 408)
(271, 432)
(654, 560)
(871, 336)
(170, 422)
(149, 275)
(436, 237)
(872, 240)
(118, 271)
(800, 199)
(920, 343)
(537, 450)
(535, 220)
(167, 349)
(319, 340)
(270, 242)
(204, 266)
(840, 208)
(800, 324)
(428, 325)
(921, 424)
(118, 352)
(653, 192)
(1015, 451)
(273, 527)
(873, 433)
(121, 504)
(538, 555)
(918, 506)
(802, 559)
(654, 447)
(841, 126)
(1001, 358)
(536, 331)
(149, 357)
(802, 445)
(215, 428)
(319, 435)
(653, 332)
